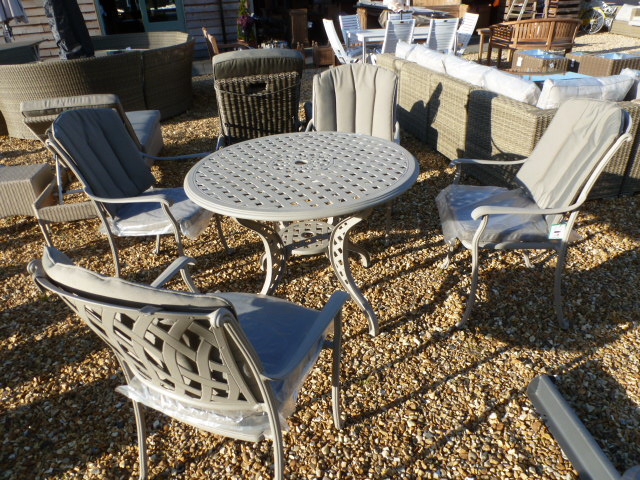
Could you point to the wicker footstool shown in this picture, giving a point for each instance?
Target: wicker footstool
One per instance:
(20, 185)
(538, 61)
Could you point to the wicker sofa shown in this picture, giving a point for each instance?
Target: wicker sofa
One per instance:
(154, 75)
(459, 120)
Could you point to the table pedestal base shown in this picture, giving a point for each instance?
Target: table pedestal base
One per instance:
(312, 238)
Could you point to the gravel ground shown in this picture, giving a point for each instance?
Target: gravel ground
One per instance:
(421, 400)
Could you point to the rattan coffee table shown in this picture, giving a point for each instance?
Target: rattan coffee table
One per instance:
(295, 179)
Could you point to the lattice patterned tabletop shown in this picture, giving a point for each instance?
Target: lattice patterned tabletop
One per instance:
(301, 176)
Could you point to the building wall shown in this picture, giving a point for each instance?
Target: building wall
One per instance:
(198, 14)
(206, 13)
(38, 28)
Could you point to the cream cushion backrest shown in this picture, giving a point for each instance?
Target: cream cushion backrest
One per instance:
(577, 138)
(613, 88)
(355, 98)
(404, 49)
(465, 70)
(511, 86)
(634, 91)
(60, 269)
(425, 57)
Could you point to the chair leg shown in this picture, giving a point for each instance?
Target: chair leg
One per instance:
(138, 411)
(474, 286)
(44, 227)
(526, 258)
(557, 287)
(489, 49)
(278, 455)
(227, 250)
(112, 244)
(157, 245)
(335, 371)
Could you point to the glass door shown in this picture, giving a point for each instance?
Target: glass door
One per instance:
(162, 15)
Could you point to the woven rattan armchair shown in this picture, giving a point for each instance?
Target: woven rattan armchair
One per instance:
(229, 363)
(258, 92)
(545, 33)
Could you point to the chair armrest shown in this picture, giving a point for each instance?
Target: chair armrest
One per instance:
(473, 161)
(145, 197)
(170, 272)
(329, 312)
(310, 126)
(178, 157)
(498, 210)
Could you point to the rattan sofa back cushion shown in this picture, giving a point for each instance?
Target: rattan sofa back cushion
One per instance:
(356, 98)
(267, 61)
(103, 152)
(579, 135)
(60, 269)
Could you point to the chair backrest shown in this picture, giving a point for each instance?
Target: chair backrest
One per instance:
(212, 43)
(442, 34)
(581, 133)
(38, 115)
(334, 41)
(188, 346)
(356, 98)
(349, 23)
(257, 91)
(400, 16)
(397, 30)
(465, 31)
(96, 146)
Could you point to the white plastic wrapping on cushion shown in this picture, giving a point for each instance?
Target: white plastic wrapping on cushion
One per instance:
(456, 202)
(634, 92)
(140, 219)
(242, 421)
(246, 422)
(403, 49)
(470, 72)
(613, 88)
(512, 86)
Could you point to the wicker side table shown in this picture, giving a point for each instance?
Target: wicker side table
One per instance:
(538, 61)
(606, 64)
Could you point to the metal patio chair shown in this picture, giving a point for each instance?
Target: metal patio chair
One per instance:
(229, 363)
(96, 146)
(555, 181)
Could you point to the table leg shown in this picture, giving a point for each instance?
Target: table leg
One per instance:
(364, 50)
(275, 254)
(339, 248)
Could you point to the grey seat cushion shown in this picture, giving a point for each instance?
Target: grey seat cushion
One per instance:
(146, 124)
(264, 61)
(140, 219)
(356, 98)
(456, 202)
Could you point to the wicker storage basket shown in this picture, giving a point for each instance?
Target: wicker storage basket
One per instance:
(605, 65)
(538, 61)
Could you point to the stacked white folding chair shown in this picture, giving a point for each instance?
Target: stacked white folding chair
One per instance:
(349, 23)
(343, 56)
(466, 29)
(396, 31)
(442, 34)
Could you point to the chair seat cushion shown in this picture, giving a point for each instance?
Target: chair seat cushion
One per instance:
(456, 202)
(139, 219)
(146, 124)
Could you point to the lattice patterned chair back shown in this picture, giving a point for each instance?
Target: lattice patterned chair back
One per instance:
(349, 23)
(199, 358)
(258, 92)
(397, 30)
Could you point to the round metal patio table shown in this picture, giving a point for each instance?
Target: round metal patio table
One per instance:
(296, 178)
